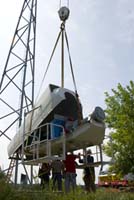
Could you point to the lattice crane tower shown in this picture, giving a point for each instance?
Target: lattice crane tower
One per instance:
(19, 71)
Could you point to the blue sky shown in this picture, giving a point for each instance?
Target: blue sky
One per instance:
(101, 37)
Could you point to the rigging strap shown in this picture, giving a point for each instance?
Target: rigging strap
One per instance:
(44, 77)
(73, 77)
(70, 62)
(49, 63)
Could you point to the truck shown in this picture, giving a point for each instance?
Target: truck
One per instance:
(112, 180)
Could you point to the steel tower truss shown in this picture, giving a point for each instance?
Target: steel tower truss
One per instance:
(18, 75)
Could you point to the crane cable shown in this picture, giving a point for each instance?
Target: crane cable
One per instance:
(30, 127)
(31, 118)
(48, 64)
(61, 5)
(74, 82)
(71, 65)
(70, 61)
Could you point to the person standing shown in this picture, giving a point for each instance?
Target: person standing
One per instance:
(89, 172)
(70, 172)
(44, 175)
(57, 167)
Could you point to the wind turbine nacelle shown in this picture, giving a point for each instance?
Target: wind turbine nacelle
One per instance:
(54, 101)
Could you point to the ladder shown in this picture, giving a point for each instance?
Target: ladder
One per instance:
(10, 170)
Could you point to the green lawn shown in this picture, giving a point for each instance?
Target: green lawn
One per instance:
(9, 192)
(27, 192)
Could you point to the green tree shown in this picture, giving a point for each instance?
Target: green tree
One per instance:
(120, 121)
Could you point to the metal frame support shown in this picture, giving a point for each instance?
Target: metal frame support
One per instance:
(101, 157)
(47, 143)
(16, 168)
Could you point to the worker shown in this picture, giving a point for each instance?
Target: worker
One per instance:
(44, 175)
(70, 171)
(57, 167)
(89, 172)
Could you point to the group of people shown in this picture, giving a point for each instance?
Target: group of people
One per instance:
(66, 170)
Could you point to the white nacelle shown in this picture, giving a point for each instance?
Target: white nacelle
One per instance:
(50, 100)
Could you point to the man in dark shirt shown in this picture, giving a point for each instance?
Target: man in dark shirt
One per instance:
(44, 174)
(89, 172)
(57, 167)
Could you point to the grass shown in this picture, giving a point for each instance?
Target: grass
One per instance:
(9, 192)
(78, 195)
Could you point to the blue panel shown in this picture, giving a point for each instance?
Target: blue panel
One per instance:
(56, 130)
